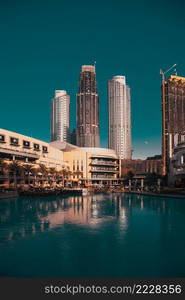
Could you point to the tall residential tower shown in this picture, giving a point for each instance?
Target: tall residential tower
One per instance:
(87, 133)
(119, 117)
(60, 117)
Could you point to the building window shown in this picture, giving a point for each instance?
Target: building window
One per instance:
(36, 147)
(14, 141)
(45, 149)
(26, 144)
(2, 138)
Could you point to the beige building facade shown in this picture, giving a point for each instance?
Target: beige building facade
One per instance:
(91, 165)
(87, 166)
(15, 146)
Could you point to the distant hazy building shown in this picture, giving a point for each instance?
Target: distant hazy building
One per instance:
(87, 109)
(60, 117)
(173, 121)
(142, 166)
(119, 117)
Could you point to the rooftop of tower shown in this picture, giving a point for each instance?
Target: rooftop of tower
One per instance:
(175, 77)
(119, 78)
(59, 93)
(88, 68)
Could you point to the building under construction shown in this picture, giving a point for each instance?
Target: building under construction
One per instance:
(87, 132)
(173, 117)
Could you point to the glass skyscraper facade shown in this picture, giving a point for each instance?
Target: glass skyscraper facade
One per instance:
(119, 117)
(60, 117)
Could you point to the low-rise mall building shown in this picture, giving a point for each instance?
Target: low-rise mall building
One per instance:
(91, 165)
(19, 151)
(87, 166)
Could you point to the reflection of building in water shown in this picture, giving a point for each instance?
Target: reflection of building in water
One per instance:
(82, 211)
(30, 217)
(25, 217)
(121, 211)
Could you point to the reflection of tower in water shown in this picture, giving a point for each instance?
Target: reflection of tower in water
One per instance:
(43, 215)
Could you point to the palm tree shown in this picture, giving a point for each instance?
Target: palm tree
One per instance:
(69, 176)
(15, 167)
(28, 168)
(78, 173)
(61, 174)
(64, 174)
(53, 173)
(4, 168)
(3, 164)
(35, 172)
(44, 171)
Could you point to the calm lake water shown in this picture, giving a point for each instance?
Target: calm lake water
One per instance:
(103, 235)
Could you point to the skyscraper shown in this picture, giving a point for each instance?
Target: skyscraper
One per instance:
(88, 109)
(60, 117)
(173, 120)
(119, 117)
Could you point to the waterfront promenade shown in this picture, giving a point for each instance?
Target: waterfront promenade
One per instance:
(78, 190)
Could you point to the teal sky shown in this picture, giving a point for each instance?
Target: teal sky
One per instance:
(44, 43)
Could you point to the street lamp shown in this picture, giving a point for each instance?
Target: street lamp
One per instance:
(164, 127)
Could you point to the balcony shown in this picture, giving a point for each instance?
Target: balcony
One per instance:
(93, 170)
(104, 162)
(103, 177)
